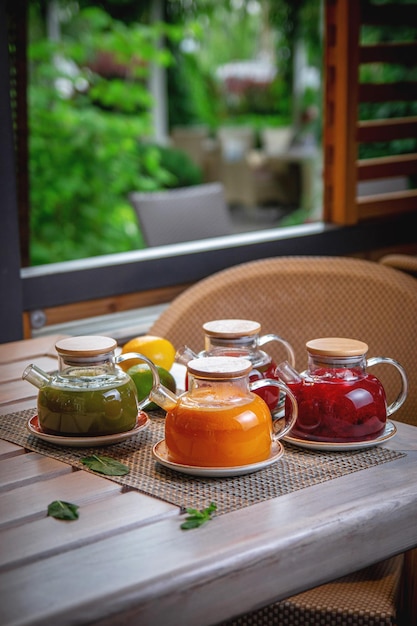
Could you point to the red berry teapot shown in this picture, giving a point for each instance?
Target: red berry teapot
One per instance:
(338, 400)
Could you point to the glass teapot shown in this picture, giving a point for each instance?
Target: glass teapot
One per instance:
(241, 338)
(89, 395)
(338, 401)
(219, 421)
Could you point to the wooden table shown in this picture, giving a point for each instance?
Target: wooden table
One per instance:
(127, 561)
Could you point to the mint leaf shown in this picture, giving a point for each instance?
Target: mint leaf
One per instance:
(105, 465)
(191, 522)
(196, 518)
(63, 510)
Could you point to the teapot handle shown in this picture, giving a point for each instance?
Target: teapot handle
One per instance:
(158, 391)
(288, 347)
(399, 401)
(289, 422)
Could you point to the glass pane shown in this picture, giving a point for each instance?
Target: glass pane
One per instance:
(122, 102)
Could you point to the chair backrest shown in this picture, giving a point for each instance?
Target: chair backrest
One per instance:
(404, 262)
(184, 214)
(303, 298)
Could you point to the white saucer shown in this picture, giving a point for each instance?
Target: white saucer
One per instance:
(86, 442)
(160, 453)
(389, 432)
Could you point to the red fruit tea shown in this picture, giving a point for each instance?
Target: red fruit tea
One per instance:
(344, 405)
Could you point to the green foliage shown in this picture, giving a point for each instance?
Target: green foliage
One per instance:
(196, 518)
(82, 165)
(88, 122)
(379, 73)
(218, 33)
(90, 108)
(63, 510)
(105, 465)
(194, 97)
(183, 172)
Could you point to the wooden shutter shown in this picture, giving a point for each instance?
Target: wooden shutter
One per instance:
(345, 131)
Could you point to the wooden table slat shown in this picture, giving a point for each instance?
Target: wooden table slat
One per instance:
(14, 371)
(25, 503)
(17, 389)
(32, 467)
(8, 450)
(18, 405)
(97, 520)
(24, 350)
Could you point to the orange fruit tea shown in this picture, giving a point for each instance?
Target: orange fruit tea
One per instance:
(218, 433)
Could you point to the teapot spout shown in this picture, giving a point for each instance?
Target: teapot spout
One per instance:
(287, 373)
(163, 397)
(36, 376)
(184, 355)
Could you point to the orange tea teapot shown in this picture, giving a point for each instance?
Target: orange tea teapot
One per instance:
(338, 400)
(219, 421)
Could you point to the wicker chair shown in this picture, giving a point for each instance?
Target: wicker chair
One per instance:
(301, 298)
(404, 262)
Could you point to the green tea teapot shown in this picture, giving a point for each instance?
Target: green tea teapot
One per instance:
(89, 395)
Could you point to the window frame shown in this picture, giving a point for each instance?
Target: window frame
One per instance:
(166, 266)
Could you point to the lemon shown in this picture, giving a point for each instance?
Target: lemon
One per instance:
(159, 350)
(142, 377)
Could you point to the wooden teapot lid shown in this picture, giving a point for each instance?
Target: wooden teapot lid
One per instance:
(86, 345)
(219, 367)
(231, 328)
(336, 347)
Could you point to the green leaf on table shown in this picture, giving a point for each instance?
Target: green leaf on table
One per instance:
(105, 465)
(63, 510)
(196, 518)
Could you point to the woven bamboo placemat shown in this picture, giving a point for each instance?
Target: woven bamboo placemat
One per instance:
(296, 469)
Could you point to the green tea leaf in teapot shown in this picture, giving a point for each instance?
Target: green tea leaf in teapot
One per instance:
(105, 465)
(196, 518)
(63, 510)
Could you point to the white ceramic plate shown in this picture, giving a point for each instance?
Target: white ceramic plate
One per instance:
(160, 453)
(86, 442)
(389, 432)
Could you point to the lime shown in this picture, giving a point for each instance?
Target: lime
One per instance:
(142, 377)
(159, 350)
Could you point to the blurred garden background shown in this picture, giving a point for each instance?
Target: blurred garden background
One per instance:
(96, 129)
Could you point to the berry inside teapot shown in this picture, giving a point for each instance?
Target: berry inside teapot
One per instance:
(338, 400)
